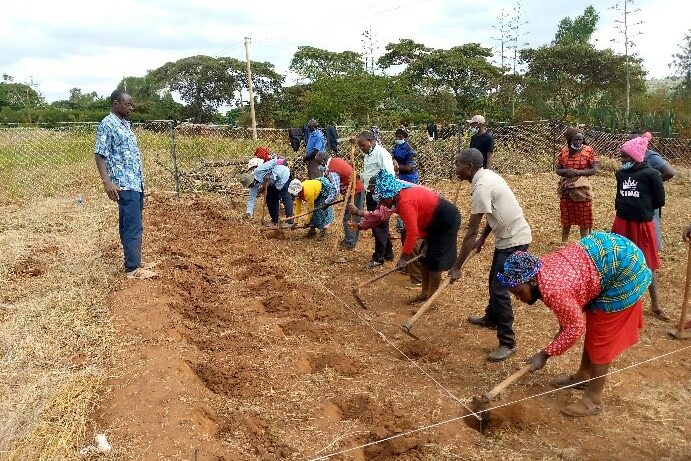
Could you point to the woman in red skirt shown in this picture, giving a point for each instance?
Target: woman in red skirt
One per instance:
(575, 163)
(605, 275)
(639, 193)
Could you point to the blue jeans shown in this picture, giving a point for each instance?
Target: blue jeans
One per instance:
(130, 207)
(350, 236)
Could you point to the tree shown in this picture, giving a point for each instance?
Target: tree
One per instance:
(314, 63)
(203, 82)
(464, 70)
(577, 31)
(140, 88)
(402, 53)
(19, 96)
(79, 99)
(265, 79)
(624, 26)
(563, 78)
(682, 66)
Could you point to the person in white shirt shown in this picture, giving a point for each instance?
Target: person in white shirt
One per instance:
(376, 159)
(492, 197)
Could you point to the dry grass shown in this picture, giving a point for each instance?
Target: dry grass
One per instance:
(54, 327)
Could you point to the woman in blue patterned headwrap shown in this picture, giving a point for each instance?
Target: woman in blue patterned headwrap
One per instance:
(426, 215)
(605, 275)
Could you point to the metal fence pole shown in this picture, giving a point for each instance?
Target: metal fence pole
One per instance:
(173, 154)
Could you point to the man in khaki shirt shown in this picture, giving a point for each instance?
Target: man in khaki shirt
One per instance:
(492, 197)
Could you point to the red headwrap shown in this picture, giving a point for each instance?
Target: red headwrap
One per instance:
(263, 153)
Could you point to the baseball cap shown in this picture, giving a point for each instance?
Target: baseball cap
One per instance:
(477, 119)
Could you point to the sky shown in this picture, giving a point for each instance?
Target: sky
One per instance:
(62, 45)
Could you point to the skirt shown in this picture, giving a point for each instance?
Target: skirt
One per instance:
(576, 213)
(322, 219)
(442, 234)
(643, 235)
(608, 334)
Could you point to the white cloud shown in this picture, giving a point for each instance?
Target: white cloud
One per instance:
(87, 45)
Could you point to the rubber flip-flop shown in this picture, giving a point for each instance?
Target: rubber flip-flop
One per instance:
(564, 381)
(582, 408)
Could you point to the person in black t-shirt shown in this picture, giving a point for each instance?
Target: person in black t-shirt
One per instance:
(639, 193)
(481, 140)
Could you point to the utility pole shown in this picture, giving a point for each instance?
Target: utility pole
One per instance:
(251, 89)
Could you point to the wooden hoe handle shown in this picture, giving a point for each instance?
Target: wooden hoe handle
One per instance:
(687, 293)
(507, 382)
(288, 218)
(384, 274)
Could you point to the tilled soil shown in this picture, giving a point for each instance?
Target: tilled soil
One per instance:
(253, 348)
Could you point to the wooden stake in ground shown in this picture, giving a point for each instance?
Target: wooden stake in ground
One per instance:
(680, 332)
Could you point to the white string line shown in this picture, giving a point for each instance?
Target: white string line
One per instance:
(366, 322)
(440, 423)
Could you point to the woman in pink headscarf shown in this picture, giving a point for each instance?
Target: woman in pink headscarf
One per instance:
(639, 193)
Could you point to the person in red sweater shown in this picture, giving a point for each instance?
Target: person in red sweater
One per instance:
(338, 171)
(426, 215)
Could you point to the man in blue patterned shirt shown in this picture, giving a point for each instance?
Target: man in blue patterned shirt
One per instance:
(119, 163)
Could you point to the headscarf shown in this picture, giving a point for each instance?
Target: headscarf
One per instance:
(253, 163)
(263, 153)
(519, 268)
(388, 186)
(636, 147)
(295, 187)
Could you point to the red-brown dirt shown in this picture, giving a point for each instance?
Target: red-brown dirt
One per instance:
(246, 348)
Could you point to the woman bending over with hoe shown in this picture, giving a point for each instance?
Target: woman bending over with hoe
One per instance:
(426, 215)
(604, 275)
(318, 194)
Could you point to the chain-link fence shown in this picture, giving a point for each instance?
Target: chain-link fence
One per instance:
(44, 160)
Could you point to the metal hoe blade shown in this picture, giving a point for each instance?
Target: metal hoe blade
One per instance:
(360, 301)
(405, 328)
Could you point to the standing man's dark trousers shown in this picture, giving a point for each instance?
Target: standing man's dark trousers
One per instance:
(498, 311)
(383, 249)
(131, 227)
(273, 196)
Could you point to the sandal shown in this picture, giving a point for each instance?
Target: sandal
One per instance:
(568, 381)
(584, 407)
